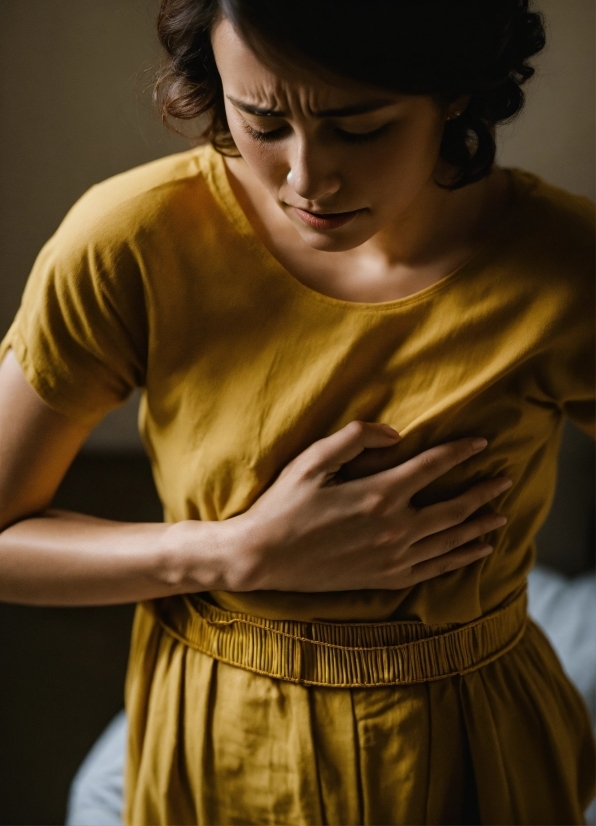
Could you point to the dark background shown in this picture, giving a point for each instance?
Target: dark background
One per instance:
(74, 79)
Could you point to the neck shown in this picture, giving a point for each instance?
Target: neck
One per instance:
(438, 232)
(436, 222)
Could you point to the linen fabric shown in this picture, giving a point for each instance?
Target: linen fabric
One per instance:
(342, 654)
(558, 605)
(156, 279)
(210, 743)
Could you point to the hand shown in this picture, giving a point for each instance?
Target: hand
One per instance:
(314, 531)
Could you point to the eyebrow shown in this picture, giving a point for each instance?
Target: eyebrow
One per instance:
(343, 112)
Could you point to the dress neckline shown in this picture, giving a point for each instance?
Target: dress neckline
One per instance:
(522, 183)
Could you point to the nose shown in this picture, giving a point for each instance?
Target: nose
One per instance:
(313, 174)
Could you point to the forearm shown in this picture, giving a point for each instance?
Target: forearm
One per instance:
(63, 558)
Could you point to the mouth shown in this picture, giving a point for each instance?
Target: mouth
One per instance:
(326, 220)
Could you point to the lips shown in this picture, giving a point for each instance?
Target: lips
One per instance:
(325, 220)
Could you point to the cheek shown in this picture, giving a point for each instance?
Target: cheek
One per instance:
(417, 149)
(264, 159)
(409, 161)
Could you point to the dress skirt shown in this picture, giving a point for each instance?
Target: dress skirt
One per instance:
(410, 732)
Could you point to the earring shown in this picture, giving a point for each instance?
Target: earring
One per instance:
(455, 115)
(289, 176)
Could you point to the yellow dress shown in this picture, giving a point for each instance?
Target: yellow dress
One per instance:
(155, 279)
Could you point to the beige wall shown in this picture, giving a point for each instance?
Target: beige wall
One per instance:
(555, 134)
(74, 111)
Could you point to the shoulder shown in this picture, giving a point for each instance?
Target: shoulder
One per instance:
(539, 281)
(118, 232)
(557, 228)
(134, 204)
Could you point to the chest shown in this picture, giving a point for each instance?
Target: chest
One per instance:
(225, 417)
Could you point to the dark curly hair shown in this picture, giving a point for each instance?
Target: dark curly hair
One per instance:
(446, 49)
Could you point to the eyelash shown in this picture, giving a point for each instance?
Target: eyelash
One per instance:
(348, 137)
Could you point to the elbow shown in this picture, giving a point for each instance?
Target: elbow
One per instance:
(12, 512)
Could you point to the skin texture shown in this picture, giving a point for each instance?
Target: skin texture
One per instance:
(342, 496)
(409, 232)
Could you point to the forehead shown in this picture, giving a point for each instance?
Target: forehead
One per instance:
(276, 84)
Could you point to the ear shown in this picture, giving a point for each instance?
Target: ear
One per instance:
(457, 107)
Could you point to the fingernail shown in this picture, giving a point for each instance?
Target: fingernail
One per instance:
(390, 431)
(479, 444)
(485, 549)
(500, 520)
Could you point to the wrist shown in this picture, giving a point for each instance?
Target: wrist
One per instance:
(207, 556)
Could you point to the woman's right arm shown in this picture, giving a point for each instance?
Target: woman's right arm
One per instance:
(63, 558)
(309, 531)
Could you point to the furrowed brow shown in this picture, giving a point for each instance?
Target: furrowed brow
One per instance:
(251, 109)
(342, 112)
(356, 109)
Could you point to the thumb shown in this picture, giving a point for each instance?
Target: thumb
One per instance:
(329, 454)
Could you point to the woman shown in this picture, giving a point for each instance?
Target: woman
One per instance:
(325, 633)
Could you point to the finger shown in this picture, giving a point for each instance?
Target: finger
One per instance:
(328, 455)
(439, 517)
(371, 461)
(423, 469)
(443, 543)
(449, 562)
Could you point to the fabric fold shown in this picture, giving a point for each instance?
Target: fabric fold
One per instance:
(508, 743)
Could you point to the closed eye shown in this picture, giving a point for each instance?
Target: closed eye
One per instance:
(361, 137)
(258, 135)
(348, 137)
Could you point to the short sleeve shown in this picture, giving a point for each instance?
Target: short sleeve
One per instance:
(565, 267)
(578, 362)
(80, 334)
(573, 358)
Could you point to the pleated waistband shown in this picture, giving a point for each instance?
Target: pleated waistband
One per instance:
(347, 654)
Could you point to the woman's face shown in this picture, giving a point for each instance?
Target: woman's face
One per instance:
(353, 155)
